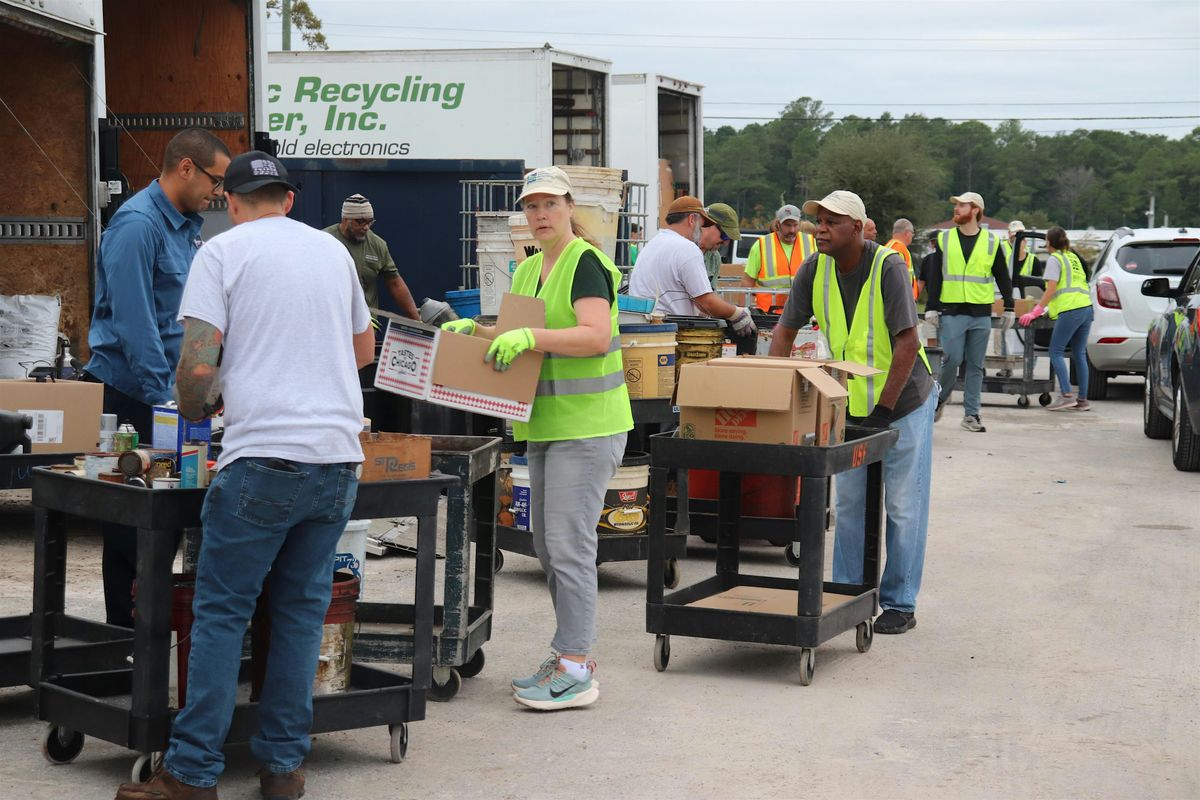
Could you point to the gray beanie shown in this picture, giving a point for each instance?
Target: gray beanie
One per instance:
(357, 207)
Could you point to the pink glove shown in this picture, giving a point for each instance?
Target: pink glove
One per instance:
(1027, 319)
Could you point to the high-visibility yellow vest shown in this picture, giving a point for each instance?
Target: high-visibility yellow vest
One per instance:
(578, 397)
(1072, 291)
(1026, 265)
(966, 281)
(901, 248)
(866, 340)
(776, 270)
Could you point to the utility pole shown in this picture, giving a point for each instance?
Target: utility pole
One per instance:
(287, 25)
(1150, 213)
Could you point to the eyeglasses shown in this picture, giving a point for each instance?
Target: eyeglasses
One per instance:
(364, 223)
(217, 182)
(724, 238)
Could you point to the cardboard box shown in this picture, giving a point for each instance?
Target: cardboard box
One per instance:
(66, 414)
(764, 400)
(732, 271)
(427, 363)
(1022, 305)
(395, 456)
(171, 431)
(762, 600)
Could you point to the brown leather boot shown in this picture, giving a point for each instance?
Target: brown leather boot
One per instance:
(281, 786)
(164, 786)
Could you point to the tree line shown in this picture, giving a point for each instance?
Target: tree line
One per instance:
(909, 166)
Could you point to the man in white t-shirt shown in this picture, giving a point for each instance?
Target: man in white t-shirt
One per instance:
(274, 320)
(670, 268)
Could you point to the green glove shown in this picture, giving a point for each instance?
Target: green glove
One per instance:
(466, 326)
(508, 346)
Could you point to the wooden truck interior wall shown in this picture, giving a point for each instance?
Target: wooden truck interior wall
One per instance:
(578, 96)
(676, 138)
(43, 84)
(171, 66)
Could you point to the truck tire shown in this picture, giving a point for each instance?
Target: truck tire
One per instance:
(1185, 441)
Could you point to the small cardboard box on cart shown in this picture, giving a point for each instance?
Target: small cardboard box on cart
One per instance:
(66, 414)
(395, 456)
(426, 363)
(766, 400)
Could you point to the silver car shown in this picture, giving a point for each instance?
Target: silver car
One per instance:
(1117, 341)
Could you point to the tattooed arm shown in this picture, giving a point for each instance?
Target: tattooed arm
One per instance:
(196, 384)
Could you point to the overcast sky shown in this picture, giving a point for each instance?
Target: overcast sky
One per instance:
(972, 59)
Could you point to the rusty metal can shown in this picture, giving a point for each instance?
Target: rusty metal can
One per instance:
(134, 463)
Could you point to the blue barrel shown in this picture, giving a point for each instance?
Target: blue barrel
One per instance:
(465, 302)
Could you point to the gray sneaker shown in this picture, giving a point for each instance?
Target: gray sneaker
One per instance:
(1064, 402)
(547, 668)
(558, 691)
(972, 423)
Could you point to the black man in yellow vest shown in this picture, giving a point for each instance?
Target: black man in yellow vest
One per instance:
(860, 294)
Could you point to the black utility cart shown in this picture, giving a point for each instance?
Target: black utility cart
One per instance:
(800, 612)
(463, 623)
(129, 706)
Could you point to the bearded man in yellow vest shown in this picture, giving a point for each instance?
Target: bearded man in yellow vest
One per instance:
(860, 294)
(774, 259)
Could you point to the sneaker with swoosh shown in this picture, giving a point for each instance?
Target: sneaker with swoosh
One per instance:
(558, 691)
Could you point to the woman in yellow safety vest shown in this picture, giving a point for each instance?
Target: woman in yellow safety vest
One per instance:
(1069, 303)
(577, 430)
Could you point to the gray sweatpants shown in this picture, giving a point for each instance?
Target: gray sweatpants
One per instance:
(567, 481)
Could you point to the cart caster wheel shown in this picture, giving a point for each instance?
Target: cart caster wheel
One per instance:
(1044, 398)
(864, 634)
(1023, 402)
(474, 666)
(498, 560)
(808, 664)
(61, 745)
(671, 573)
(662, 652)
(399, 734)
(791, 557)
(444, 686)
(144, 766)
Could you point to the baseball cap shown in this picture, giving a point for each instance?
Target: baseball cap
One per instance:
(725, 218)
(546, 180)
(788, 211)
(969, 197)
(254, 170)
(689, 205)
(1016, 226)
(839, 202)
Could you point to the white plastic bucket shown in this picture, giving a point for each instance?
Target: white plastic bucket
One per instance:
(351, 552)
(520, 493)
(626, 502)
(521, 238)
(648, 356)
(597, 195)
(496, 267)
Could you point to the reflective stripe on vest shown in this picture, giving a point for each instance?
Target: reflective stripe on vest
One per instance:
(578, 397)
(1026, 265)
(772, 257)
(1072, 291)
(963, 280)
(867, 339)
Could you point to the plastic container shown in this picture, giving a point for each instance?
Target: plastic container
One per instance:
(762, 495)
(638, 305)
(465, 302)
(435, 312)
(520, 493)
(494, 254)
(523, 242)
(597, 195)
(626, 502)
(351, 552)
(648, 355)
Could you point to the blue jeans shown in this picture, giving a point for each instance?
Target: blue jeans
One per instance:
(962, 336)
(906, 478)
(1071, 329)
(260, 515)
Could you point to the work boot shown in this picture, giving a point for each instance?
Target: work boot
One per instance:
(281, 785)
(165, 786)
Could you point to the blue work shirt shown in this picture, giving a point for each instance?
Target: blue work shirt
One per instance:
(145, 255)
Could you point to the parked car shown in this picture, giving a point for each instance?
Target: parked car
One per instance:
(1171, 404)
(740, 250)
(1117, 341)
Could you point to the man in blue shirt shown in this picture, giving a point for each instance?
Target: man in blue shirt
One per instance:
(145, 254)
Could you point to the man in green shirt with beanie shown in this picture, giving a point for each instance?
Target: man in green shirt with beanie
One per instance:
(371, 256)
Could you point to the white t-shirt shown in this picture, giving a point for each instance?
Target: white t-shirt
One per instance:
(287, 300)
(671, 269)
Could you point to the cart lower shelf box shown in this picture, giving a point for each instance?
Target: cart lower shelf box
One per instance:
(764, 600)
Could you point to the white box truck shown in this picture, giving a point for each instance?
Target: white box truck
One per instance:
(542, 105)
(657, 119)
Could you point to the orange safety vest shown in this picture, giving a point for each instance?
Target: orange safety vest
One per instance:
(901, 248)
(775, 269)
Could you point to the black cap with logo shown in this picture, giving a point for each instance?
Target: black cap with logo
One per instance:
(254, 170)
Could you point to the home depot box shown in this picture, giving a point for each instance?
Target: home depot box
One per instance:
(774, 401)
(66, 414)
(395, 456)
(427, 363)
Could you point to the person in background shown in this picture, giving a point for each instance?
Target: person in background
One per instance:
(1028, 266)
(870, 232)
(287, 479)
(727, 222)
(968, 260)
(635, 242)
(371, 255)
(145, 255)
(576, 433)
(902, 236)
(1068, 301)
(671, 269)
(775, 258)
(859, 293)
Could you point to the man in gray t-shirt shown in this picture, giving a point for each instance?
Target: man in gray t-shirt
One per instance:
(905, 404)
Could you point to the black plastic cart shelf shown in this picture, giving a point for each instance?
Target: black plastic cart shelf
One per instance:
(130, 706)
(462, 625)
(16, 469)
(822, 610)
(1025, 384)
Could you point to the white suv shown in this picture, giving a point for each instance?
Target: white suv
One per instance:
(1117, 341)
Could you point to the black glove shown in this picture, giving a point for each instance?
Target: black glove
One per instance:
(879, 419)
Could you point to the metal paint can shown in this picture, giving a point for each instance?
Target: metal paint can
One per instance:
(125, 439)
(165, 483)
(162, 465)
(96, 463)
(113, 477)
(134, 463)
